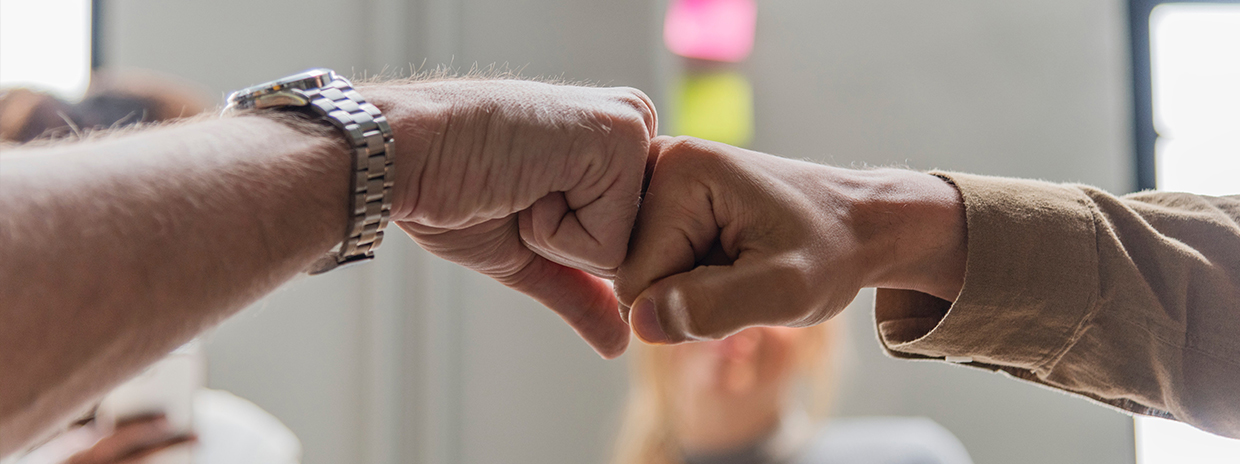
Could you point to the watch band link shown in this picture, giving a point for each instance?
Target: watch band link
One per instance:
(370, 137)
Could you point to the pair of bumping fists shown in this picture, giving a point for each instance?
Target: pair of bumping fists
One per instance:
(539, 186)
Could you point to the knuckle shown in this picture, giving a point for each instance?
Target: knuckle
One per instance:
(676, 146)
(636, 98)
(688, 153)
(684, 146)
(647, 114)
(635, 92)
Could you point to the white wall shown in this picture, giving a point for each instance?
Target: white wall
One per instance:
(1030, 89)
(414, 360)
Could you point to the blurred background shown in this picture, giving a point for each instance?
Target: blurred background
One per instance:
(413, 360)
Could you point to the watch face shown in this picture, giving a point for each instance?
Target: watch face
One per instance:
(311, 79)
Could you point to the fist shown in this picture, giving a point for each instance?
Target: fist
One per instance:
(535, 185)
(729, 238)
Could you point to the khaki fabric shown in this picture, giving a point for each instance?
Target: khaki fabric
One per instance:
(1131, 301)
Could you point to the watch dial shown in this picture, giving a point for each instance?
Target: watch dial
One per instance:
(310, 79)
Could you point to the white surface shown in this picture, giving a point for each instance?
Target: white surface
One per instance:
(1160, 441)
(1195, 59)
(1031, 89)
(1196, 75)
(232, 430)
(1195, 56)
(1201, 165)
(45, 44)
(166, 387)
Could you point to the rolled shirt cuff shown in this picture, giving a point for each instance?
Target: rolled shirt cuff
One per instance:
(1031, 280)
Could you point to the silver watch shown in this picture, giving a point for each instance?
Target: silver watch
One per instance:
(323, 94)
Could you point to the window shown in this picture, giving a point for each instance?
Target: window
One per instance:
(1195, 77)
(1186, 60)
(46, 45)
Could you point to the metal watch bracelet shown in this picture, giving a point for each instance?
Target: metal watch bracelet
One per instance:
(370, 188)
(323, 94)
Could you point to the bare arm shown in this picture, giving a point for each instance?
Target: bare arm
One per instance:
(113, 252)
(117, 251)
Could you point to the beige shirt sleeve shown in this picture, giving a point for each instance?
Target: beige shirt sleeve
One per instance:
(1131, 301)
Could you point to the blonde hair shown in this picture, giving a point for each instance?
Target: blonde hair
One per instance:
(646, 434)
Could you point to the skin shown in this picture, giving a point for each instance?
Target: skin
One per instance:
(129, 441)
(721, 226)
(118, 250)
(730, 393)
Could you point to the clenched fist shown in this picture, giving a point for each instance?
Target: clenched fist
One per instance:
(535, 185)
(729, 238)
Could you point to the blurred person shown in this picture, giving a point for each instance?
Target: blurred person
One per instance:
(759, 397)
(1131, 301)
(114, 99)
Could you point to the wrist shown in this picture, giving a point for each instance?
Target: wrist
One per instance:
(311, 161)
(418, 121)
(912, 225)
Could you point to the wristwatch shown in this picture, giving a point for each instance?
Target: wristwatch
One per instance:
(322, 94)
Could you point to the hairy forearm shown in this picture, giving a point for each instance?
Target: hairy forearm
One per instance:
(118, 250)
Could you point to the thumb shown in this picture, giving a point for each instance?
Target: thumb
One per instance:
(712, 302)
(584, 301)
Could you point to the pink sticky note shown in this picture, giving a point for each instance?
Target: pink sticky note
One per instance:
(716, 30)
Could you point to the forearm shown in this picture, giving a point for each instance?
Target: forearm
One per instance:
(118, 250)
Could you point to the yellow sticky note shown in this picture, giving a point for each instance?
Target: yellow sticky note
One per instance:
(715, 106)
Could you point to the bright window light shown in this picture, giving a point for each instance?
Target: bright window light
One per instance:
(1196, 82)
(1204, 165)
(1161, 441)
(45, 44)
(1196, 76)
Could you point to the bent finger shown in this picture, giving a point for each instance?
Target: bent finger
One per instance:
(551, 229)
(140, 456)
(712, 302)
(136, 436)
